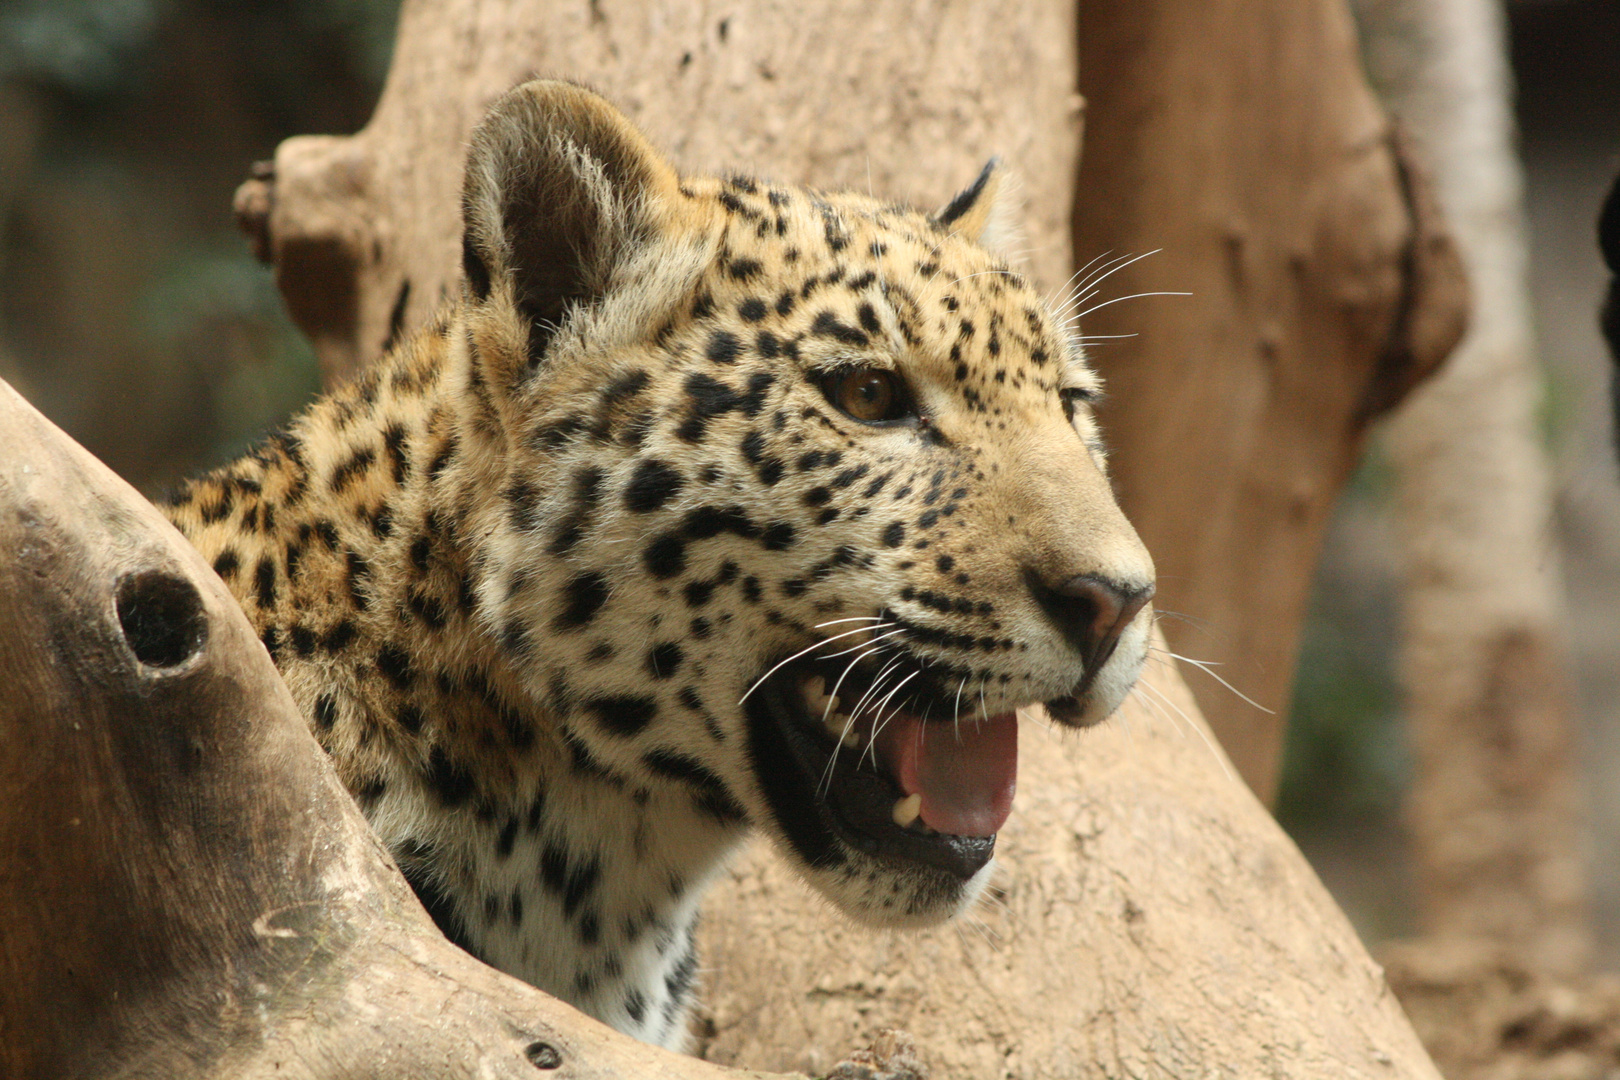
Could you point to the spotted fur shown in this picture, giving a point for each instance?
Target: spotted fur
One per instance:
(522, 574)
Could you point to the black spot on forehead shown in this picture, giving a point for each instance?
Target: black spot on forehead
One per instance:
(587, 487)
(340, 636)
(707, 521)
(395, 665)
(348, 470)
(828, 324)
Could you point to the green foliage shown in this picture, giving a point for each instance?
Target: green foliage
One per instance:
(1346, 758)
(213, 301)
(83, 45)
(129, 306)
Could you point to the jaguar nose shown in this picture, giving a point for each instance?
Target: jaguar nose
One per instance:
(1091, 612)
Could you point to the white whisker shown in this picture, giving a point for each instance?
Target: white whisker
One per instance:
(1108, 271)
(1196, 727)
(864, 644)
(1208, 669)
(1122, 299)
(826, 776)
(877, 725)
(956, 709)
(852, 618)
(801, 652)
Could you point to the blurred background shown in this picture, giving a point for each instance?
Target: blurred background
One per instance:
(132, 314)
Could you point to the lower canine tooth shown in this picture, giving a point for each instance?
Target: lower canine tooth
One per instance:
(907, 810)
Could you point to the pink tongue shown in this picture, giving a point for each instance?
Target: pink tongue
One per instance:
(965, 771)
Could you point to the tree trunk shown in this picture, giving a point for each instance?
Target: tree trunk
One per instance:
(185, 888)
(1151, 920)
(1494, 806)
(902, 97)
(1242, 139)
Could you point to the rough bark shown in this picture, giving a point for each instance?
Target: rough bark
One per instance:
(1242, 139)
(1494, 807)
(185, 888)
(1152, 919)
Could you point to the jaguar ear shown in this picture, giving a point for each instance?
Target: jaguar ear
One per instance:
(969, 212)
(560, 189)
(976, 212)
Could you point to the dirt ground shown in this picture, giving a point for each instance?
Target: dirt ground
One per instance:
(1484, 1017)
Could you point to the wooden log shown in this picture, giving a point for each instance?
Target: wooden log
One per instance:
(185, 888)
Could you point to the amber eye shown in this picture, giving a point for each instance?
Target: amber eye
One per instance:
(870, 395)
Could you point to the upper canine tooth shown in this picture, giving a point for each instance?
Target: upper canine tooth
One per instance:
(813, 690)
(907, 810)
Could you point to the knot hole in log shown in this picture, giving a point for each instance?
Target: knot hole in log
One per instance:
(542, 1055)
(162, 617)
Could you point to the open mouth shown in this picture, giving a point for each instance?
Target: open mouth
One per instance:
(885, 760)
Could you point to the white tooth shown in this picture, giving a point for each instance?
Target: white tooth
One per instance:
(850, 739)
(813, 690)
(907, 810)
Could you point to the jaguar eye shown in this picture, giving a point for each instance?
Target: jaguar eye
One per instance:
(870, 395)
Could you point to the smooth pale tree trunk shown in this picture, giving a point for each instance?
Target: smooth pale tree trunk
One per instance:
(905, 99)
(1494, 807)
(1242, 140)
